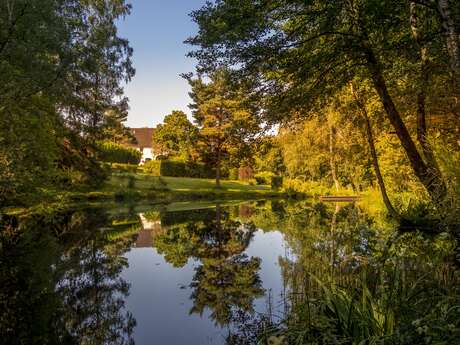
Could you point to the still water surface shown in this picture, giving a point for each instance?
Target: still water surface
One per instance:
(186, 273)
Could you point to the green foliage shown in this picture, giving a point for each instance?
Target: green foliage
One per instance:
(176, 136)
(264, 177)
(125, 167)
(269, 155)
(173, 168)
(199, 170)
(301, 57)
(351, 281)
(61, 70)
(117, 153)
(28, 149)
(226, 119)
(312, 188)
(233, 173)
(152, 167)
(177, 169)
(276, 182)
(76, 167)
(449, 158)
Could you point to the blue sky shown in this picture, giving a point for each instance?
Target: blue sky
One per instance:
(156, 30)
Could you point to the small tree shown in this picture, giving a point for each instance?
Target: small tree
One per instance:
(176, 136)
(227, 124)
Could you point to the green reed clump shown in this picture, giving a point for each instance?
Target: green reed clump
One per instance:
(394, 314)
(409, 295)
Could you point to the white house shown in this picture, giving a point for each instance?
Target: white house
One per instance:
(144, 143)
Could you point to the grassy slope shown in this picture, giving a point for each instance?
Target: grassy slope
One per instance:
(149, 188)
(182, 184)
(181, 188)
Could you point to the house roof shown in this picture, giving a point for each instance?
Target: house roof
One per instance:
(143, 136)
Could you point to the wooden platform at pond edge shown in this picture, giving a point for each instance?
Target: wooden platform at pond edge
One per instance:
(332, 198)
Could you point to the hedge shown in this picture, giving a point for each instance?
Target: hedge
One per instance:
(115, 153)
(125, 167)
(173, 168)
(178, 169)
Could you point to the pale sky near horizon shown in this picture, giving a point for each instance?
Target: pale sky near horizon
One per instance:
(156, 30)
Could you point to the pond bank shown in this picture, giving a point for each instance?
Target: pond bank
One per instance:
(125, 187)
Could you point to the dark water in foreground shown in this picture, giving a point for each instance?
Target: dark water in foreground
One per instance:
(188, 273)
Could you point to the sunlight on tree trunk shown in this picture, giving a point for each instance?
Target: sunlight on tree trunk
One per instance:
(373, 152)
(432, 182)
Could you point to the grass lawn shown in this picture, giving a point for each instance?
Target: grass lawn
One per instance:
(121, 187)
(181, 184)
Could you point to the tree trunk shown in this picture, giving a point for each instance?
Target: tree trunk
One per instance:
(332, 135)
(421, 94)
(431, 181)
(374, 157)
(448, 25)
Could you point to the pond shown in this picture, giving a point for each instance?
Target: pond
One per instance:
(207, 273)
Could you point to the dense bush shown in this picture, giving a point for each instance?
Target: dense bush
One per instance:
(199, 170)
(116, 153)
(305, 187)
(276, 182)
(264, 177)
(233, 174)
(173, 168)
(152, 167)
(178, 169)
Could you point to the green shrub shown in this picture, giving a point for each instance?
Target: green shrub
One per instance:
(306, 187)
(264, 177)
(173, 168)
(115, 153)
(125, 167)
(233, 174)
(152, 167)
(199, 170)
(276, 182)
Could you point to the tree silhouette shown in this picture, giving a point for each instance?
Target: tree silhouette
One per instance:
(64, 289)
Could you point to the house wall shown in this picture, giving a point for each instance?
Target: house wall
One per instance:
(147, 153)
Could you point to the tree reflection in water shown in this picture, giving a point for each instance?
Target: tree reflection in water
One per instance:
(60, 281)
(352, 278)
(226, 281)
